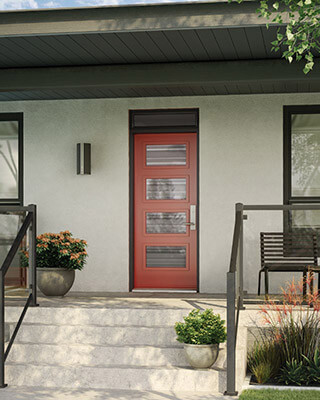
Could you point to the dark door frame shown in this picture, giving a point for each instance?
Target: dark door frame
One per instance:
(157, 129)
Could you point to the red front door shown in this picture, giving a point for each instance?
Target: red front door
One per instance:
(165, 211)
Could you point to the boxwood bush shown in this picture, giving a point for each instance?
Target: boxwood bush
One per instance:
(201, 328)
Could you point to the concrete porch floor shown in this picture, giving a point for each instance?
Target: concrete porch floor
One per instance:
(174, 300)
(145, 300)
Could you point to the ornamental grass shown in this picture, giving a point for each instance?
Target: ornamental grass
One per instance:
(289, 342)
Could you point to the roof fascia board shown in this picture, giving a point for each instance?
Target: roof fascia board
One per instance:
(129, 19)
(150, 75)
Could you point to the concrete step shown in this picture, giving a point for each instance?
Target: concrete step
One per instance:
(97, 335)
(107, 349)
(90, 355)
(114, 377)
(99, 316)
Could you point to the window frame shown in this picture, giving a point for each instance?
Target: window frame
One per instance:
(16, 117)
(287, 153)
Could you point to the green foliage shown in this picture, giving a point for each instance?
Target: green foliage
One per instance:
(271, 394)
(262, 372)
(58, 250)
(293, 373)
(201, 328)
(313, 369)
(298, 38)
(264, 361)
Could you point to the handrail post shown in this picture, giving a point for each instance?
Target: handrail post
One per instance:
(32, 255)
(231, 335)
(2, 330)
(239, 208)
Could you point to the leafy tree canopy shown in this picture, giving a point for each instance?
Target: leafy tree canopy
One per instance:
(300, 38)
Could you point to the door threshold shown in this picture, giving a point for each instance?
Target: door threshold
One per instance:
(163, 291)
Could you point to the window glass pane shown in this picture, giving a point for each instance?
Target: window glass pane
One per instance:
(305, 219)
(166, 222)
(166, 154)
(9, 159)
(167, 189)
(166, 257)
(305, 141)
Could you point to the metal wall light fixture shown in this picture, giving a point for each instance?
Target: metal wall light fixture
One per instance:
(83, 158)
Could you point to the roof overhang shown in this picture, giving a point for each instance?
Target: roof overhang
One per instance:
(130, 19)
(146, 80)
(197, 48)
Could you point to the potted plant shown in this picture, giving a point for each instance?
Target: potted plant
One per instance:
(59, 255)
(201, 333)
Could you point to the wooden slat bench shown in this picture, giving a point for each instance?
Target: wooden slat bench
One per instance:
(288, 252)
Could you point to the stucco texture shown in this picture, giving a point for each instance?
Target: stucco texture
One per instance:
(241, 160)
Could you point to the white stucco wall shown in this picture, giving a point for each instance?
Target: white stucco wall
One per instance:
(241, 142)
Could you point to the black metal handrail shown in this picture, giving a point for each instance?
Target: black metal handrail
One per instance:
(235, 280)
(234, 301)
(30, 222)
(235, 241)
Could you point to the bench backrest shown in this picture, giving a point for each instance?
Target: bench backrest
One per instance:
(293, 248)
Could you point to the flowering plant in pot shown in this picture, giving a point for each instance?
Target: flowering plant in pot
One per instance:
(201, 333)
(59, 255)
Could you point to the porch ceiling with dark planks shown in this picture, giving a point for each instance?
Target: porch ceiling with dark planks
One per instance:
(154, 50)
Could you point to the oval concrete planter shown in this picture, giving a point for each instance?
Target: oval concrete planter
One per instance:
(55, 281)
(201, 355)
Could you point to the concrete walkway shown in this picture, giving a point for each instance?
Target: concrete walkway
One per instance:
(26, 393)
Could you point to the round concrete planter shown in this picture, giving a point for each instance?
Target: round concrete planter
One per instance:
(55, 281)
(201, 355)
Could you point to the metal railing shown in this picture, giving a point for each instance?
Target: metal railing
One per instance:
(235, 293)
(234, 299)
(30, 222)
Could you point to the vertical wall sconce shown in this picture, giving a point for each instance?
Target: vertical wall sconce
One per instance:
(83, 158)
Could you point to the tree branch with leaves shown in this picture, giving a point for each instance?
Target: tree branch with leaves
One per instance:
(300, 40)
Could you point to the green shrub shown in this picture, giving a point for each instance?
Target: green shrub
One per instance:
(264, 361)
(293, 373)
(201, 328)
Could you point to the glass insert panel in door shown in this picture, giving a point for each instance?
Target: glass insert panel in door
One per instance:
(9, 154)
(166, 189)
(166, 222)
(166, 256)
(166, 154)
(305, 154)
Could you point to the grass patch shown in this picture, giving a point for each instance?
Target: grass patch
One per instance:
(271, 394)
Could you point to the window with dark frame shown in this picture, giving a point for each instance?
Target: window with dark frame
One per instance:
(11, 158)
(302, 165)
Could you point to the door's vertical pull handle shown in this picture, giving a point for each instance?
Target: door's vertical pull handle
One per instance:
(193, 218)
